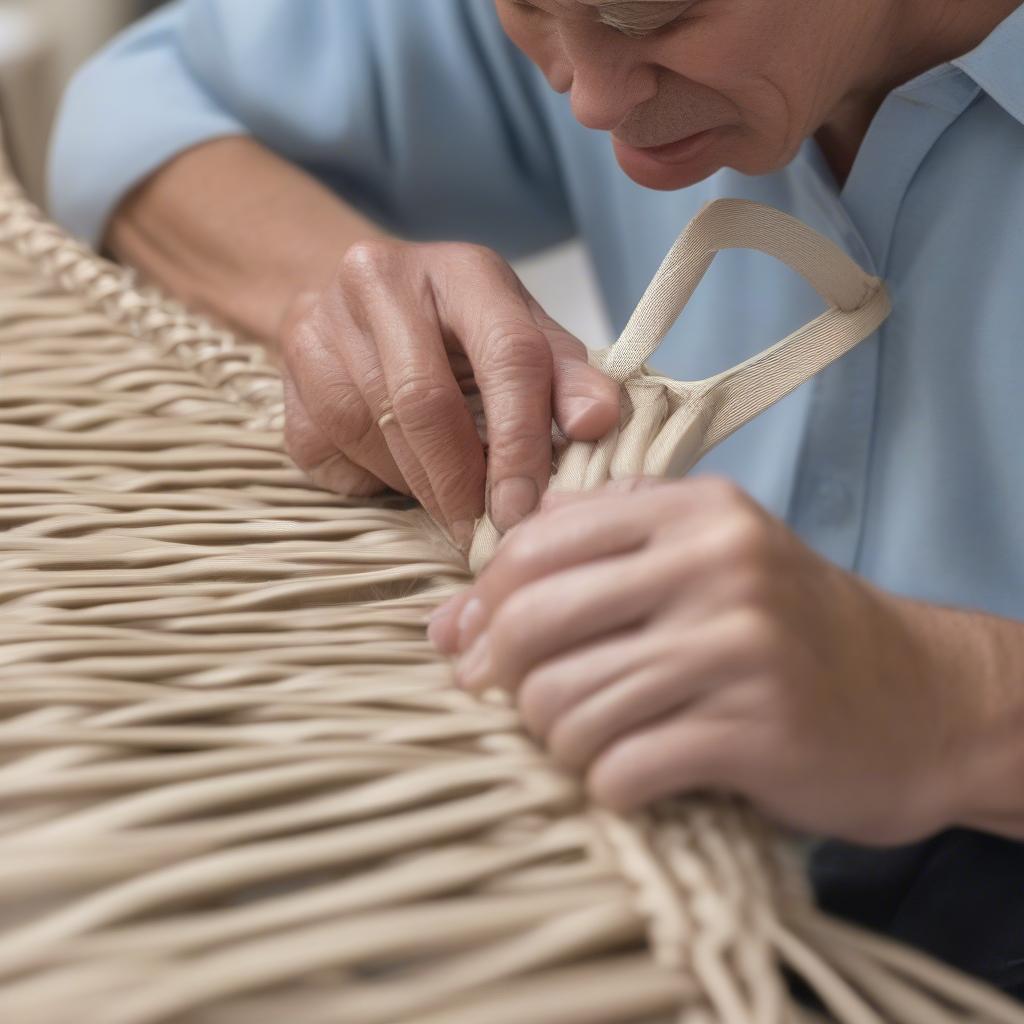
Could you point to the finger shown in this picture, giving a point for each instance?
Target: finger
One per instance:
(614, 519)
(512, 365)
(683, 753)
(585, 400)
(314, 362)
(554, 687)
(545, 544)
(553, 615)
(400, 363)
(614, 523)
(537, 547)
(680, 668)
(316, 455)
(626, 485)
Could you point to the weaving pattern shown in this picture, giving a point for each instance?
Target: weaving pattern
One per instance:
(235, 781)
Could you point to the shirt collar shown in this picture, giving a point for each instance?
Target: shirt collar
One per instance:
(997, 65)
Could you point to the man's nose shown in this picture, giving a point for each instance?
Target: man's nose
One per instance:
(608, 77)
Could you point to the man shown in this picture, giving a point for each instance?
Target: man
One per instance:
(827, 617)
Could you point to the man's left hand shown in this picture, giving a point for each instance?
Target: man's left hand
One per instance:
(670, 636)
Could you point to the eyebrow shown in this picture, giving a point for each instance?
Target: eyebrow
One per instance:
(639, 17)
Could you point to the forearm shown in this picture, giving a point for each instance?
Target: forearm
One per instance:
(976, 665)
(233, 229)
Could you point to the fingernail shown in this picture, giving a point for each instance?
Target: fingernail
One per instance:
(470, 622)
(462, 534)
(475, 665)
(512, 499)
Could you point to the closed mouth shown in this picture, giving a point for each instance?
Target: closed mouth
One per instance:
(670, 152)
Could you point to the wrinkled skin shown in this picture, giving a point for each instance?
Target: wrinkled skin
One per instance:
(666, 636)
(379, 359)
(377, 367)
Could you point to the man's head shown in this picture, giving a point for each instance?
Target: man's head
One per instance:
(689, 86)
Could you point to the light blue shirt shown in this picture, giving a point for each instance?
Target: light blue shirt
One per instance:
(904, 461)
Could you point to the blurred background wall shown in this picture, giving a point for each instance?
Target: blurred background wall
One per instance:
(43, 41)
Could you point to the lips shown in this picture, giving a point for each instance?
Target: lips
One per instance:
(649, 134)
(677, 151)
(667, 147)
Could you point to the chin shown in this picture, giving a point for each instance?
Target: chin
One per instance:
(667, 179)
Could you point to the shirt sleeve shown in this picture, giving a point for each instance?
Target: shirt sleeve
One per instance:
(421, 114)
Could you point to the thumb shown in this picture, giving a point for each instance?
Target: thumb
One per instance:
(584, 401)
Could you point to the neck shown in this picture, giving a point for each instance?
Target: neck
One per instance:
(923, 34)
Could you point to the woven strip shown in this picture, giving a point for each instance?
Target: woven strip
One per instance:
(236, 784)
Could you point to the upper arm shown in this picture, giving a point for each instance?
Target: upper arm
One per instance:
(419, 113)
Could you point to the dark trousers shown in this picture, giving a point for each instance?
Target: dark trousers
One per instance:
(958, 896)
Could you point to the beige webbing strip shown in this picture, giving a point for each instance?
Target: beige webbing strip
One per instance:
(742, 224)
(667, 426)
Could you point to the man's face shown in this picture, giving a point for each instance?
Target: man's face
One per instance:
(701, 84)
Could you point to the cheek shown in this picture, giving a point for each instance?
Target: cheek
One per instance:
(769, 125)
(755, 75)
(774, 126)
(536, 35)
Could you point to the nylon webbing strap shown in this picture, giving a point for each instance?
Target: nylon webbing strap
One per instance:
(667, 426)
(742, 224)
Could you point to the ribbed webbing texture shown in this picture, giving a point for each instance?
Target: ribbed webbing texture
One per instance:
(236, 782)
(667, 425)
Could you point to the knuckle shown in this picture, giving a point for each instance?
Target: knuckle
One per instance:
(522, 451)
(337, 474)
(342, 414)
(474, 255)
(454, 481)
(515, 350)
(526, 548)
(511, 624)
(365, 262)
(456, 265)
(423, 403)
(758, 632)
(301, 343)
(745, 538)
(719, 490)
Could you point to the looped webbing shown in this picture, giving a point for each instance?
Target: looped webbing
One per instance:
(666, 425)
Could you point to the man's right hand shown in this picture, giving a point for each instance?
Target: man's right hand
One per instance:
(379, 364)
